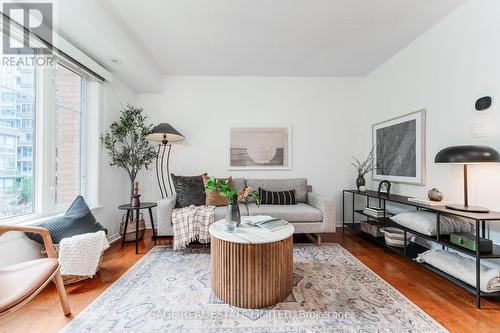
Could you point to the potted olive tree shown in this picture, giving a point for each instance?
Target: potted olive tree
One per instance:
(127, 145)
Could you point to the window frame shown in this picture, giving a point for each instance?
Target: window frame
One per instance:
(43, 143)
(91, 169)
(57, 208)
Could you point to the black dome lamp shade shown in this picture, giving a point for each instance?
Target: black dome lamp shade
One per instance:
(467, 155)
(165, 134)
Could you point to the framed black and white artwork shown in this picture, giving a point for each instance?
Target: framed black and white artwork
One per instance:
(259, 148)
(399, 154)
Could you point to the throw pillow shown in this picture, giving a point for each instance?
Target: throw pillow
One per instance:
(277, 198)
(77, 220)
(190, 190)
(214, 198)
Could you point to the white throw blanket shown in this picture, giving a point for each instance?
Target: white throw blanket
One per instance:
(191, 224)
(462, 268)
(79, 255)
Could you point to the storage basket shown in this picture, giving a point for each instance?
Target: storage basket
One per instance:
(70, 279)
(394, 236)
(371, 228)
(130, 236)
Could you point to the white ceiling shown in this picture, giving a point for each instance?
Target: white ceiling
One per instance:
(252, 37)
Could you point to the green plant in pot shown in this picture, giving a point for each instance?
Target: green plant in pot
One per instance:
(127, 145)
(233, 196)
(363, 168)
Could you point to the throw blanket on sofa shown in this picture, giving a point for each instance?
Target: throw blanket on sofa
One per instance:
(79, 255)
(191, 224)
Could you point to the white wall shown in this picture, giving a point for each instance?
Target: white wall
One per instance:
(115, 183)
(445, 71)
(321, 112)
(115, 186)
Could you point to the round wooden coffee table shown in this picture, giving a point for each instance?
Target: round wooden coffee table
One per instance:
(251, 267)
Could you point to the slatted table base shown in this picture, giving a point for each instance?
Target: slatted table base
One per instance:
(252, 275)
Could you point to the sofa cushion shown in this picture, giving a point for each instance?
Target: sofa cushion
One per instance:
(277, 198)
(190, 190)
(220, 211)
(297, 184)
(239, 183)
(214, 198)
(300, 212)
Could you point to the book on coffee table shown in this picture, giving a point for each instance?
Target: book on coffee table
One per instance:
(256, 219)
(265, 222)
(273, 225)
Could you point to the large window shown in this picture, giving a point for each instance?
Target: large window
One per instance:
(49, 122)
(57, 94)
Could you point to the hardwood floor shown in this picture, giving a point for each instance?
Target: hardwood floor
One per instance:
(449, 305)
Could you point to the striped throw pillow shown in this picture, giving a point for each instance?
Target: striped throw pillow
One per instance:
(277, 198)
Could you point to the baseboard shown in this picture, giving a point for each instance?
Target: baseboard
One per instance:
(114, 238)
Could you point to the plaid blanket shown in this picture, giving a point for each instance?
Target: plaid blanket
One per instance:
(191, 224)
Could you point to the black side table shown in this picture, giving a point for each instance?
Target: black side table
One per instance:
(130, 212)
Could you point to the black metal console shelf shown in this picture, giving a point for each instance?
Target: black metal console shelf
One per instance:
(411, 250)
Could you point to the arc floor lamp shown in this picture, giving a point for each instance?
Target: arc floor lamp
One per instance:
(467, 155)
(165, 134)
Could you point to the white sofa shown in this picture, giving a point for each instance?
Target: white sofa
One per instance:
(312, 214)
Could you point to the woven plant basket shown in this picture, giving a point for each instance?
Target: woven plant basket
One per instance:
(130, 236)
(70, 279)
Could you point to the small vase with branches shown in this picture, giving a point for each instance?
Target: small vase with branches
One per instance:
(363, 167)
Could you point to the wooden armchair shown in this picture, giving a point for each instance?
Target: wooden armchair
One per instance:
(20, 283)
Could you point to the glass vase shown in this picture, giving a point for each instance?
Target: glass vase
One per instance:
(233, 214)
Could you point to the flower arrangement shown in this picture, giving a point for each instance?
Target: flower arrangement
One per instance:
(366, 166)
(232, 195)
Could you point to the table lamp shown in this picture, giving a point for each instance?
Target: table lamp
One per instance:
(166, 134)
(466, 155)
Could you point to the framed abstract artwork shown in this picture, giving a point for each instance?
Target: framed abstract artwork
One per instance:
(259, 148)
(399, 153)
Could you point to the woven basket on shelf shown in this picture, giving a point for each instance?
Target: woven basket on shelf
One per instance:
(371, 228)
(395, 236)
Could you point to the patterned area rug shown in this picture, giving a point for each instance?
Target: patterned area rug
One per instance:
(169, 291)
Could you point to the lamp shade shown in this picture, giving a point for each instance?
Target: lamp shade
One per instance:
(165, 132)
(467, 155)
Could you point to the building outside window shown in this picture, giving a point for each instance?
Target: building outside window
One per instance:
(16, 85)
(68, 138)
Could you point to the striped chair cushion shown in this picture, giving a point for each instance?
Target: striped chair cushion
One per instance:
(277, 198)
(77, 220)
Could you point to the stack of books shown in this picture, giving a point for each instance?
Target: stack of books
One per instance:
(376, 212)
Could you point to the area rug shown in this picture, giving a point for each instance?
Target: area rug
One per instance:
(169, 291)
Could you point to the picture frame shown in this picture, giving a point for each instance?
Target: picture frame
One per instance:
(261, 147)
(399, 154)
